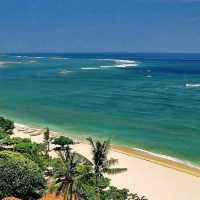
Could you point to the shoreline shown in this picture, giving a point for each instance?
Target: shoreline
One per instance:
(178, 165)
(146, 174)
(159, 159)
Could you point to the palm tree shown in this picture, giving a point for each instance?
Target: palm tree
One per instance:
(136, 197)
(47, 140)
(101, 163)
(71, 180)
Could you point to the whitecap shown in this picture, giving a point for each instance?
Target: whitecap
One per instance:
(192, 85)
(22, 56)
(65, 71)
(168, 158)
(39, 57)
(32, 61)
(89, 68)
(124, 65)
(117, 60)
(59, 58)
(148, 76)
(124, 61)
(9, 62)
(119, 63)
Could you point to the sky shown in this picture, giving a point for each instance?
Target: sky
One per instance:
(100, 26)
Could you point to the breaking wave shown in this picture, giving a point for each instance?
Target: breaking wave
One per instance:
(148, 76)
(59, 58)
(8, 62)
(167, 157)
(192, 85)
(120, 63)
(89, 68)
(65, 71)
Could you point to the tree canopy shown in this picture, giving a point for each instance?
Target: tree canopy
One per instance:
(6, 125)
(62, 141)
(2, 134)
(20, 177)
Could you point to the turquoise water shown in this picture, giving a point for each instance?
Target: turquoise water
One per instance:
(149, 101)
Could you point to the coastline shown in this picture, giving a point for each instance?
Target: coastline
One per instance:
(149, 156)
(146, 174)
(159, 160)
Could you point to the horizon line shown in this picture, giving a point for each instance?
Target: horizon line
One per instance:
(97, 52)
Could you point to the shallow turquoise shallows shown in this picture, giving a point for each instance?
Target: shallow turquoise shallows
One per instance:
(148, 101)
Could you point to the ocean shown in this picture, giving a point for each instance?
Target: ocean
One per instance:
(139, 100)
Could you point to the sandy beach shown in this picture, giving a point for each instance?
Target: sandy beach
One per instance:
(150, 175)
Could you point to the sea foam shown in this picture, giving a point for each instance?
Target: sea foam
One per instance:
(124, 65)
(120, 63)
(59, 58)
(117, 60)
(8, 62)
(148, 76)
(65, 71)
(192, 85)
(40, 57)
(168, 157)
(89, 68)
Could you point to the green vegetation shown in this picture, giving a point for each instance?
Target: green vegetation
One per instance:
(20, 177)
(6, 125)
(34, 151)
(2, 134)
(25, 165)
(62, 142)
(25, 146)
(101, 163)
(47, 141)
(71, 181)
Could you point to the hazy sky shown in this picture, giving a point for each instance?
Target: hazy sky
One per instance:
(100, 25)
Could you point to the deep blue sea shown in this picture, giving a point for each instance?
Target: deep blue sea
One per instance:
(147, 101)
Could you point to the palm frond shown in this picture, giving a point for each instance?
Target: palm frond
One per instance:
(113, 171)
(82, 158)
(136, 197)
(90, 140)
(133, 197)
(143, 198)
(106, 146)
(110, 162)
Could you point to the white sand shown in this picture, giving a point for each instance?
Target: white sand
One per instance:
(143, 177)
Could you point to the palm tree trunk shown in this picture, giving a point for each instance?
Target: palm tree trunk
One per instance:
(97, 187)
(98, 195)
(48, 146)
(66, 193)
(71, 191)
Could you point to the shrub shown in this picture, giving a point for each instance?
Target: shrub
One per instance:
(6, 125)
(19, 177)
(31, 150)
(7, 141)
(115, 193)
(14, 141)
(2, 134)
(58, 167)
